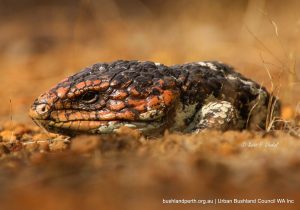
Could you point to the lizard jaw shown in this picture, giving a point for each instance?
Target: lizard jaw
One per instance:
(99, 127)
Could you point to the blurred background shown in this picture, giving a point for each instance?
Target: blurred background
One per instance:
(43, 41)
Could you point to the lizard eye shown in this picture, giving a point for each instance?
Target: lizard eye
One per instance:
(89, 97)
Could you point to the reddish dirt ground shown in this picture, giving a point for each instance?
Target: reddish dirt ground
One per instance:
(43, 42)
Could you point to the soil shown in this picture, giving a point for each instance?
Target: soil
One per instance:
(43, 42)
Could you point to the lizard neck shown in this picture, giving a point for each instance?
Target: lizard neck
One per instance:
(183, 113)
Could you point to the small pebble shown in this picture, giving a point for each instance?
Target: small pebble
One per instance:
(8, 136)
(58, 145)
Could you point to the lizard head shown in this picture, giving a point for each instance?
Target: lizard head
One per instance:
(107, 96)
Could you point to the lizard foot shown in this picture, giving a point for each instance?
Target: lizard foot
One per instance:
(219, 115)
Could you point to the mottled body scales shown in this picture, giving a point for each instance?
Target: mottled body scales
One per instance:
(153, 97)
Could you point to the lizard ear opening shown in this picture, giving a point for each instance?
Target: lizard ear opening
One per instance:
(89, 97)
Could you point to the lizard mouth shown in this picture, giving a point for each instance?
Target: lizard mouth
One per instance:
(74, 127)
(71, 122)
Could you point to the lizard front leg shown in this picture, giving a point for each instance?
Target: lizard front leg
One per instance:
(218, 115)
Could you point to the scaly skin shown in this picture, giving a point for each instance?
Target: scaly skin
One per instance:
(152, 97)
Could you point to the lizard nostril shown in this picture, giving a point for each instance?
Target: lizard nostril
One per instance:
(42, 109)
(39, 111)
